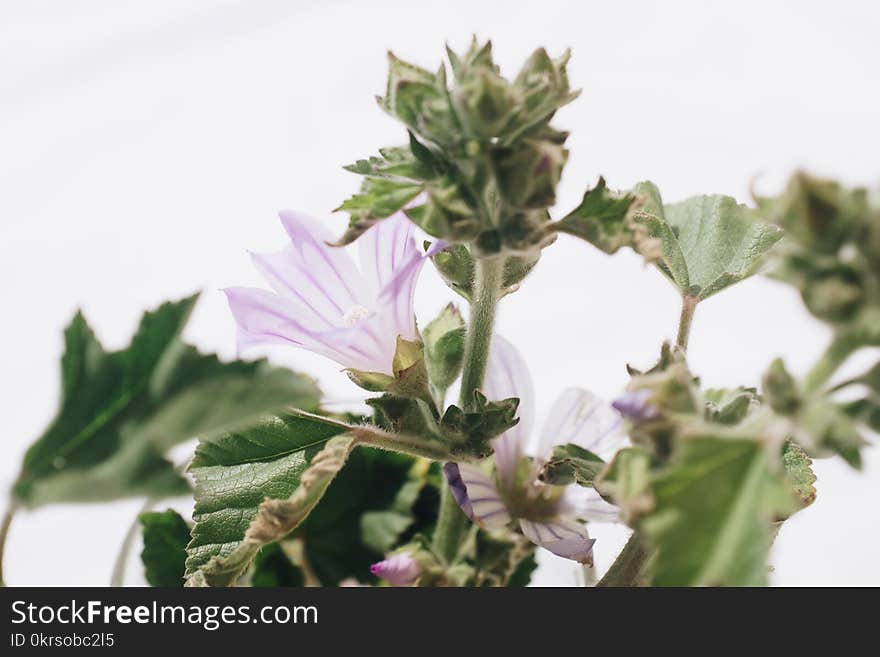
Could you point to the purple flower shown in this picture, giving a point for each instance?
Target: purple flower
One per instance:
(398, 570)
(546, 516)
(322, 302)
(634, 406)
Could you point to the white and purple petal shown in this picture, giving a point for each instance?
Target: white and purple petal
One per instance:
(477, 495)
(563, 537)
(582, 418)
(508, 376)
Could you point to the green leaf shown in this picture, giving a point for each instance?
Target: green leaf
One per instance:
(799, 472)
(714, 512)
(121, 411)
(602, 219)
(255, 486)
(444, 347)
(708, 242)
(382, 529)
(571, 464)
(165, 537)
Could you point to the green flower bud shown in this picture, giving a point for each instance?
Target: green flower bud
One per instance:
(780, 389)
(527, 174)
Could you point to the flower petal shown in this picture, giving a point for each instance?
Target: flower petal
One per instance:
(477, 495)
(398, 570)
(508, 376)
(320, 268)
(586, 504)
(582, 418)
(395, 301)
(562, 537)
(384, 248)
(264, 317)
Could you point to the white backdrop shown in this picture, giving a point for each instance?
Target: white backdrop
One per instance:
(144, 146)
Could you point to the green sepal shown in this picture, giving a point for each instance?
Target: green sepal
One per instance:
(571, 464)
(470, 432)
(444, 348)
(625, 482)
(780, 390)
(729, 406)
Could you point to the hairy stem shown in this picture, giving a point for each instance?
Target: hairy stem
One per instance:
(841, 348)
(451, 522)
(629, 567)
(4, 534)
(688, 306)
(487, 289)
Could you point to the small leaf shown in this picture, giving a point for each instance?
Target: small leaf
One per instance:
(714, 513)
(380, 530)
(799, 473)
(165, 537)
(602, 219)
(571, 464)
(708, 242)
(121, 411)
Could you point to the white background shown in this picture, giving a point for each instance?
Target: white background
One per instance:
(144, 146)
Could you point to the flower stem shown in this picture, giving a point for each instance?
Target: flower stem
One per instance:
(5, 524)
(688, 306)
(629, 567)
(487, 289)
(841, 348)
(451, 522)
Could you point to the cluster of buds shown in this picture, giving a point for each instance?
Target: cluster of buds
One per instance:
(482, 163)
(832, 246)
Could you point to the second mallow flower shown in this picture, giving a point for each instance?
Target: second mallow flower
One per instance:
(322, 302)
(549, 516)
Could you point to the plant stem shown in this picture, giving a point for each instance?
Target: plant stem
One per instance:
(4, 534)
(842, 346)
(688, 306)
(487, 289)
(629, 567)
(451, 522)
(117, 578)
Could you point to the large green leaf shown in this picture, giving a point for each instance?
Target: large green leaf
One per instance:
(236, 472)
(713, 513)
(708, 242)
(121, 411)
(165, 537)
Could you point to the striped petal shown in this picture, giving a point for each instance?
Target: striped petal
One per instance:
(563, 537)
(477, 495)
(384, 248)
(582, 418)
(263, 317)
(586, 504)
(508, 376)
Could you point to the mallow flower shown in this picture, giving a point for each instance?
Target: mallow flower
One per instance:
(321, 301)
(549, 516)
